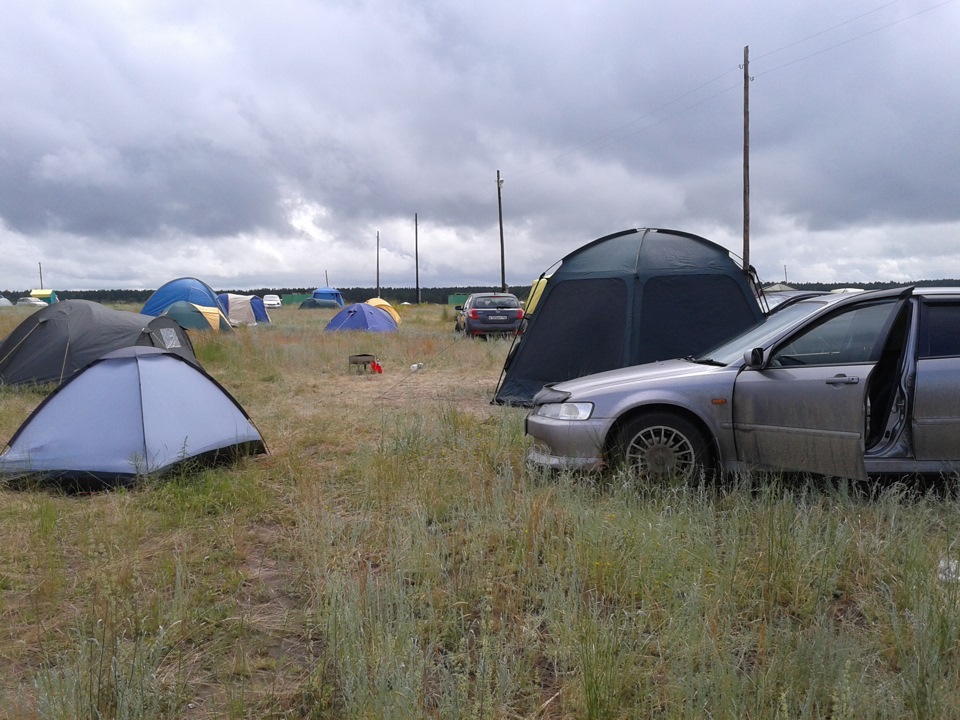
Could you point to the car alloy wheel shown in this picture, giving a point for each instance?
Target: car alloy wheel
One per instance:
(662, 446)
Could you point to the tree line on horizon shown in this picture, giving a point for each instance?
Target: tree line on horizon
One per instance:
(435, 295)
(397, 295)
(827, 287)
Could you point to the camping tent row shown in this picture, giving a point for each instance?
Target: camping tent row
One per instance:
(195, 305)
(47, 296)
(356, 317)
(136, 412)
(59, 340)
(628, 298)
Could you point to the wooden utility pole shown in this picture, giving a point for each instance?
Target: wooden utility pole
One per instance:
(503, 271)
(746, 158)
(40, 265)
(416, 254)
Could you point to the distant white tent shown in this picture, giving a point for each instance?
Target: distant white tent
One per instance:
(4, 302)
(135, 412)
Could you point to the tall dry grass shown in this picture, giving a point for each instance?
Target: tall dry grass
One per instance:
(392, 558)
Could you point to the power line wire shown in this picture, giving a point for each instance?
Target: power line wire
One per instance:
(619, 133)
(850, 40)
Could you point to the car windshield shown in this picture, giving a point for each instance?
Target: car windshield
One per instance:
(732, 350)
(495, 302)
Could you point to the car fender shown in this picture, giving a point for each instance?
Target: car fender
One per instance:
(708, 406)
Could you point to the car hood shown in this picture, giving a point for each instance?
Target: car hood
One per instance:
(655, 372)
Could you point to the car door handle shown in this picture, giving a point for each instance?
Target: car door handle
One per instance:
(843, 380)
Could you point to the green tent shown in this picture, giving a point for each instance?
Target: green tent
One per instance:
(197, 317)
(624, 299)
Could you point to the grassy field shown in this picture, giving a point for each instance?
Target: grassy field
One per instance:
(392, 558)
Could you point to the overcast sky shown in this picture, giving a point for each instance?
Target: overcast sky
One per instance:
(266, 144)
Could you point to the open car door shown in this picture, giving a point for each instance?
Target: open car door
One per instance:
(804, 407)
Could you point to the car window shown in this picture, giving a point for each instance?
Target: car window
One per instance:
(852, 336)
(758, 336)
(495, 302)
(940, 330)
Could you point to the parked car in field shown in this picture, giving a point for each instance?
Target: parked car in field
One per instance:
(31, 302)
(839, 385)
(484, 314)
(272, 301)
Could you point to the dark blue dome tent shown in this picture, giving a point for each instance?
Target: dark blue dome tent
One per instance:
(629, 298)
(187, 289)
(362, 316)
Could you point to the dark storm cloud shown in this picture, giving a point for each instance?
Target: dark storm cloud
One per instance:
(198, 189)
(298, 131)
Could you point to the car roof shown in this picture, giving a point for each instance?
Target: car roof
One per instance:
(936, 291)
(836, 299)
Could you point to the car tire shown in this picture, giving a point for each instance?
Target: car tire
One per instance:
(663, 446)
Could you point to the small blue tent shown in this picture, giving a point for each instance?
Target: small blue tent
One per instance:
(328, 294)
(187, 289)
(361, 316)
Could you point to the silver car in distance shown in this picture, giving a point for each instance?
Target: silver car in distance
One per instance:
(848, 385)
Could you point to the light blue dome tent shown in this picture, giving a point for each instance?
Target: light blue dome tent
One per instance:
(136, 412)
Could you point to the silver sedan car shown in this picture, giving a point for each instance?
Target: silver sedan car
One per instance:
(837, 385)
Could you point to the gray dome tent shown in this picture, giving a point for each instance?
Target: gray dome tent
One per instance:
(624, 299)
(56, 341)
(135, 412)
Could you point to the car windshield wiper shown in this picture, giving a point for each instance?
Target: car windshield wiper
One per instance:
(704, 361)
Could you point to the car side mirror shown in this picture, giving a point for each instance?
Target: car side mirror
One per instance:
(753, 359)
(458, 308)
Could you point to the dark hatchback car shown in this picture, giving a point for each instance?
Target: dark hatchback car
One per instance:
(485, 314)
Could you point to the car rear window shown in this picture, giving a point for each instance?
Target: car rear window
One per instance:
(506, 301)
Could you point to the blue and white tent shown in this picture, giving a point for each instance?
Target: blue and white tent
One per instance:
(243, 309)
